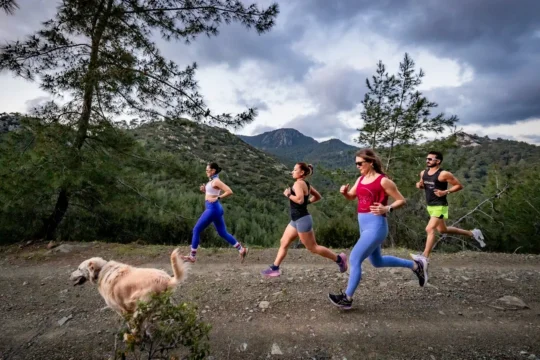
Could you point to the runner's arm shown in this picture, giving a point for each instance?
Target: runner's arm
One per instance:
(223, 187)
(299, 197)
(350, 194)
(391, 190)
(452, 180)
(315, 195)
(420, 183)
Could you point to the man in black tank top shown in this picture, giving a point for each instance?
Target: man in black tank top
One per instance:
(434, 181)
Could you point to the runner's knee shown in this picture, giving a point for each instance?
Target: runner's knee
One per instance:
(430, 229)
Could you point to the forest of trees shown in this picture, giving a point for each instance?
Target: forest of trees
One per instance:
(73, 171)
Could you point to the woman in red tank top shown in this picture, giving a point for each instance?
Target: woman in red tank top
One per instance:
(372, 190)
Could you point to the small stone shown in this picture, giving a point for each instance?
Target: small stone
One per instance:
(25, 283)
(250, 318)
(441, 312)
(509, 303)
(65, 319)
(264, 304)
(276, 350)
(243, 347)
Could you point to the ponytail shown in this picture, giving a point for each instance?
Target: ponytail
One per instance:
(306, 168)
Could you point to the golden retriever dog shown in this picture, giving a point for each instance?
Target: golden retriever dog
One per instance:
(121, 285)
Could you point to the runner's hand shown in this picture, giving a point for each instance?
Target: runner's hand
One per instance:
(378, 208)
(440, 193)
(344, 189)
(287, 192)
(420, 184)
(202, 188)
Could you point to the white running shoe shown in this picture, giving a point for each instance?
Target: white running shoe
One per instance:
(419, 257)
(478, 236)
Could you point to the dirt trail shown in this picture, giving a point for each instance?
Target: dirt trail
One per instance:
(392, 317)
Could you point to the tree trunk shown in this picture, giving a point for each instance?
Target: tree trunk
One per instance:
(51, 224)
(62, 202)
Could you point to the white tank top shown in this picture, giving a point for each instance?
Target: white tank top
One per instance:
(210, 189)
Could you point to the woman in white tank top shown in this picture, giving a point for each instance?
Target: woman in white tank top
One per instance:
(213, 213)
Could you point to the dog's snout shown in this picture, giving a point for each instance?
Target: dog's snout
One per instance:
(77, 277)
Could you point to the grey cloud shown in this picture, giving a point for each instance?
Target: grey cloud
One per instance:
(496, 99)
(259, 129)
(336, 88)
(333, 90)
(320, 125)
(533, 138)
(26, 20)
(31, 104)
(245, 100)
(498, 39)
(236, 44)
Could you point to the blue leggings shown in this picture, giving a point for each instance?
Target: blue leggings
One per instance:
(373, 231)
(212, 214)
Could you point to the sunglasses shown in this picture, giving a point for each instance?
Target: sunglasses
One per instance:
(360, 163)
(431, 159)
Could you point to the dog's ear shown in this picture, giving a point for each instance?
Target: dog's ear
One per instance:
(93, 270)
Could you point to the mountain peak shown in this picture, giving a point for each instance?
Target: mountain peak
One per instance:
(279, 139)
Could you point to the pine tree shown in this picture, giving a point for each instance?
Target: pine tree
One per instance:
(101, 55)
(9, 6)
(396, 113)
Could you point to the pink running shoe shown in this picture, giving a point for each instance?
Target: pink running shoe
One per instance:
(343, 266)
(188, 258)
(270, 273)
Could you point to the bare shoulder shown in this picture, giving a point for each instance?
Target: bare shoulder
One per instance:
(386, 182)
(445, 175)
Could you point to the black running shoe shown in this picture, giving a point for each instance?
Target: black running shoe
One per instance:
(421, 271)
(340, 300)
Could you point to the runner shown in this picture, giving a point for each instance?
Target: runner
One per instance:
(213, 213)
(372, 190)
(434, 181)
(301, 224)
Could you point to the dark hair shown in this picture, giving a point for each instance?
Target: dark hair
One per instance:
(371, 157)
(306, 168)
(438, 154)
(215, 166)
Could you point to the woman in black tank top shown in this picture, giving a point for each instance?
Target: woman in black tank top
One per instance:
(301, 224)
(299, 210)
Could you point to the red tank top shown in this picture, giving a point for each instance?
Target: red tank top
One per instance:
(367, 194)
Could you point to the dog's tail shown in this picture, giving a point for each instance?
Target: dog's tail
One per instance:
(179, 268)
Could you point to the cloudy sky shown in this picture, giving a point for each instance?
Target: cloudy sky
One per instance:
(481, 60)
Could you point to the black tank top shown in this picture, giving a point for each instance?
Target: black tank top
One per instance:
(431, 182)
(299, 210)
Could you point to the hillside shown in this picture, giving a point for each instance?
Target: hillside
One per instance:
(142, 184)
(290, 146)
(258, 173)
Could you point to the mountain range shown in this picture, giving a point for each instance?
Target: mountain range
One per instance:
(291, 146)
